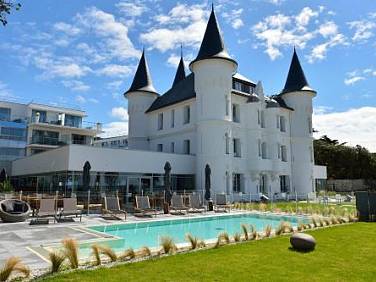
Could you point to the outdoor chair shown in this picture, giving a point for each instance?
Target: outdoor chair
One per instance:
(143, 206)
(177, 204)
(70, 208)
(221, 203)
(196, 204)
(47, 208)
(112, 210)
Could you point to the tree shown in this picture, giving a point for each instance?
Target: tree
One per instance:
(5, 7)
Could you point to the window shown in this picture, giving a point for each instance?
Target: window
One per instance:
(187, 114)
(258, 117)
(246, 88)
(4, 113)
(172, 147)
(45, 137)
(11, 133)
(236, 182)
(237, 85)
(279, 150)
(235, 113)
(39, 116)
(73, 121)
(277, 121)
(160, 121)
(264, 153)
(187, 147)
(160, 147)
(284, 153)
(282, 123)
(259, 148)
(172, 118)
(309, 125)
(284, 183)
(227, 144)
(262, 119)
(227, 106)
(237, 151)
(263, 184)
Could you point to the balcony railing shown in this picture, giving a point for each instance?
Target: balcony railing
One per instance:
(83, 124)
(44, 140)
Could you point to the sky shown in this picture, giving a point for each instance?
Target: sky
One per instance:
(83, 54)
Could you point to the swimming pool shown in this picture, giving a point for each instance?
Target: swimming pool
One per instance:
(137, 235)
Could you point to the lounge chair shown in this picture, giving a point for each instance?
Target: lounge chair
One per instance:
(47, 208)
(70, 208)
(112, 208)
(143, 206)
(177, 204)
(221, 203)
(195, 203)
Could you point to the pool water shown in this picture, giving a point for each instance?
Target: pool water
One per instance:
(137, 235)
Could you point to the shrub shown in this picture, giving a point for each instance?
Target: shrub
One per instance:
(268, 230)
(71, 252)
(168, 245)
(245, 231)
(13, 265)
(56, 259)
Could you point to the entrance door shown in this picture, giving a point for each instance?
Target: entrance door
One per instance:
(146, 185)
(133, 189)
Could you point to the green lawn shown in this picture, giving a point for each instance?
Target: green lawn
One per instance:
(343, 253)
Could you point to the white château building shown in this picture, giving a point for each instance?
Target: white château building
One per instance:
(253, 143)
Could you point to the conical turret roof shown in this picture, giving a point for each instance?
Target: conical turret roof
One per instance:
(180, 72)
(212, 45)
(296, 80)
(142, 79)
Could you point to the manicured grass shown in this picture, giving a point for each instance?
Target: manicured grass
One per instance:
(343, 253)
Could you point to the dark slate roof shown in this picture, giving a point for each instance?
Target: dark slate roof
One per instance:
(296, 80)
(212, 45)
(281, 102)
(142, 79)
(180, 72)
(181, 91)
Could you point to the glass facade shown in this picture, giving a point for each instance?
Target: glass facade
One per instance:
(73, 121)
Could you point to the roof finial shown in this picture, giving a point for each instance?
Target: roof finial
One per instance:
(181, 50)
(212, 6)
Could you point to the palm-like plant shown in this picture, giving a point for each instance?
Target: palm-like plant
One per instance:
(144, 252)
(128, 254)
(168, 245)
(245, 231)
(13, 265)
(56, 259)
(71, 252)
(268, 230)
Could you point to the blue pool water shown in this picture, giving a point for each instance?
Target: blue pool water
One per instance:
(141, 234)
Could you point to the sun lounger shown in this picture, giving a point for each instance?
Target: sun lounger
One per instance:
(221, 203)
(47, 208)
(112, 208)
(70, 208)
(195, 203)
(143, 206)
(177, 204)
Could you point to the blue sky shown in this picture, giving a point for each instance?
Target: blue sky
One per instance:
(84, 53)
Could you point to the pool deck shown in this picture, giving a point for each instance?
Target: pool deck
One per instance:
(29, 241)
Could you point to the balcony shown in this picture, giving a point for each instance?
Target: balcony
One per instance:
(44, 140)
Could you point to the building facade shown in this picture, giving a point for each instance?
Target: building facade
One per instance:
(253, 143)
(115, 142)
(27, 129)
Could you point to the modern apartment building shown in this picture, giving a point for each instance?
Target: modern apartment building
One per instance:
(27, 129)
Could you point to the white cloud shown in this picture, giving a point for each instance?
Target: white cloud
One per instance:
(353, 79)
(131, 9)
(319, 51)
(182, 25)
(303, 18)
(234, 18)
(5, 92)
(114, 85)
(120, 113)
(174, 59)
(76, 85)
(115, 70)
(355, 126)
(358, 75)
(115, 128)
(83, 100)
(279, 31)
(113, 33)
(67, 28)
(363, 29)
